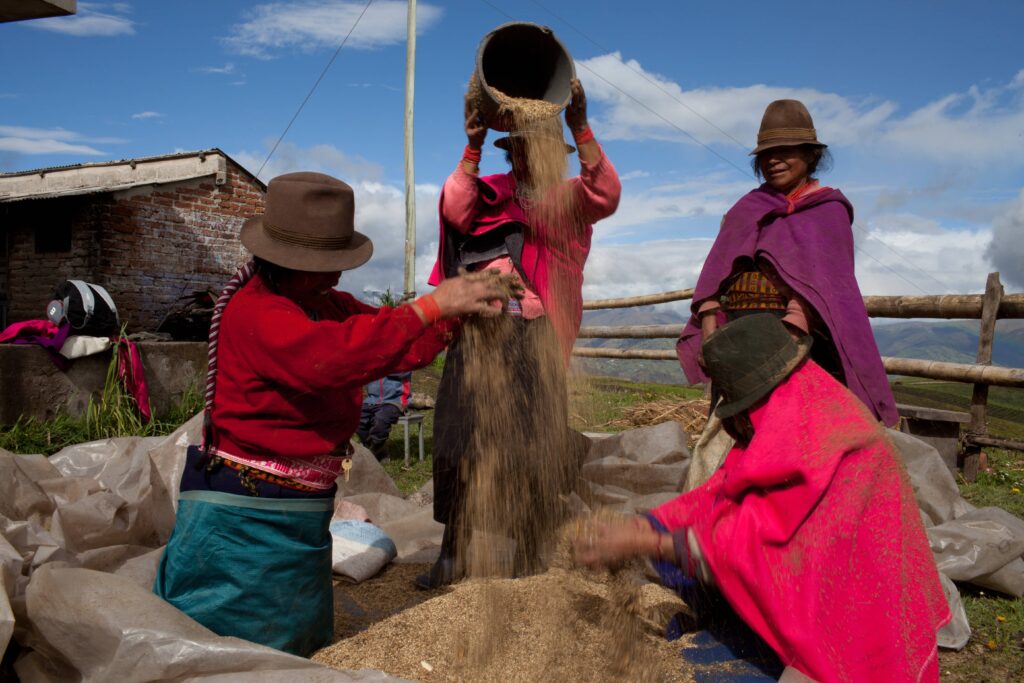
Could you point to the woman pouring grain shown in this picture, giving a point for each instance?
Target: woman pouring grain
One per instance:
(250, 555)
(536, 226)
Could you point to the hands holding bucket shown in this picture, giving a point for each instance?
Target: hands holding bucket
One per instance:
(476, 128)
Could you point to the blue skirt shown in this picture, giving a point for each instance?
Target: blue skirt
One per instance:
(253, 568)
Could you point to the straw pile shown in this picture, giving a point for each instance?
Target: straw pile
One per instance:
(691, 415)
(562, 625)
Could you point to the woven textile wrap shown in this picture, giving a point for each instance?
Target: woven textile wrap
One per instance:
(253, 568)
(809, 244)
(813, 535)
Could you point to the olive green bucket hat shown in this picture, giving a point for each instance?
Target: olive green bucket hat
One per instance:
(748, 358)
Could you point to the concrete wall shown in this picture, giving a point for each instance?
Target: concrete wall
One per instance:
(147, 246)
(31, 385)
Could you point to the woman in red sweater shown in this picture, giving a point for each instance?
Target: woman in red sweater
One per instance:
(250, 555)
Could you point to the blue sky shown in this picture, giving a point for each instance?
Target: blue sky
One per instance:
(922, 104)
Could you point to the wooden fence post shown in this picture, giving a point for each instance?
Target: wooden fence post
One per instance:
(979, 399)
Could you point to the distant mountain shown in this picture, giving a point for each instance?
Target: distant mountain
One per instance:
(954, 341)
(944, 340)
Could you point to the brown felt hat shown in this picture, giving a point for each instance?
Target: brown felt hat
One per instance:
(748, 358)
(506, 142)
(786, 123)
(308, 224)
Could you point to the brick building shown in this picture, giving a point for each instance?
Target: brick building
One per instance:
(149, 230)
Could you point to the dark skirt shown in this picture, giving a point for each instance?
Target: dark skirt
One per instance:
(537, 417)
(251, 559)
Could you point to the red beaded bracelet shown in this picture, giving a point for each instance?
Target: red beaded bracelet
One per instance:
(583, 136)
(428, 306)
(470, 154)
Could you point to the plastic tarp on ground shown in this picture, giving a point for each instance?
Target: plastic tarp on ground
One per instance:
(81, 533)
(641, 468)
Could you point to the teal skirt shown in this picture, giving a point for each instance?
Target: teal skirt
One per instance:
(253, 568)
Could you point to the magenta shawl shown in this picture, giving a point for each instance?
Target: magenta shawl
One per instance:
(810, 245)
(813, 535)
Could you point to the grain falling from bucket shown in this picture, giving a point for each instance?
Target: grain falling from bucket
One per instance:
(525, 460)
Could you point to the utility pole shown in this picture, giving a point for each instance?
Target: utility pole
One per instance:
(410, 179)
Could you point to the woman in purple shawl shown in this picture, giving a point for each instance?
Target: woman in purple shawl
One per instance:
(787, 248)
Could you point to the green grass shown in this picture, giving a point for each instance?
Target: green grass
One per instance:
(996, 649)
(1005, 405)
(113, 415)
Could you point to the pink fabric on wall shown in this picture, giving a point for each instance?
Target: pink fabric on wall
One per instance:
(133, 376)
(813, 535)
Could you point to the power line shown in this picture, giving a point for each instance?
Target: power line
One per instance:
(642, 75)
(642, 104)
(745, 172)
(313, 89)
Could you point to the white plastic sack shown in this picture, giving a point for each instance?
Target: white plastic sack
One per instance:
(359, 550)
(978, 543)
(109, 629)
(79, 346)
(934, 486)
(10, 570)
(957, 632)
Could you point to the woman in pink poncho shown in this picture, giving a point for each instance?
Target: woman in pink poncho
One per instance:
(809, 529)
(488, 222)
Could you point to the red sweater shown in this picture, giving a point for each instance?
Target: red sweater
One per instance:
(291, 386)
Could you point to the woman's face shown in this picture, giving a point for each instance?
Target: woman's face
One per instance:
(784, 168)
(304, 285)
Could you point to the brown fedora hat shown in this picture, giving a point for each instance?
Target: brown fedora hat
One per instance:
(308, 224)
(786, 123)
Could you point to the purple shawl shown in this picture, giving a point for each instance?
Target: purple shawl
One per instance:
(812, 251)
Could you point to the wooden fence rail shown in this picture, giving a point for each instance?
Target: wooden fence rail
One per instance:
(949, 306)
(988, 307)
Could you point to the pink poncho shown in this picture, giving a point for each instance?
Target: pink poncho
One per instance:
(813, 535)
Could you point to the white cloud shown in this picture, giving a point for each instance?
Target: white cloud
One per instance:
(289, 158)
(45, 146)
(380, 212)
(142, 115)
(92, 19)
(308, 26)
(909, 254)
(896, 254)
(24, 140)
(981, 124)
(615, 270)
(228, 68)
(1006, 250)
(633, 175)
(705, 196)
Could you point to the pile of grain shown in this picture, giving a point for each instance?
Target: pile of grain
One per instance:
(691, 415)
(562, 625)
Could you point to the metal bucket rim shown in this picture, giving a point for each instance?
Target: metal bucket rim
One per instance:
(486, 87)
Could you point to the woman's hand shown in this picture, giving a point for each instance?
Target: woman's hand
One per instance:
(576, 112)
(474, 294)
(609, 543)
(476, 129)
